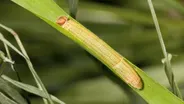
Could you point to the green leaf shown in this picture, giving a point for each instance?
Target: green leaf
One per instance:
(31, 89)
(47, 10)
(11, 92)
(5, 100)
(26, 57)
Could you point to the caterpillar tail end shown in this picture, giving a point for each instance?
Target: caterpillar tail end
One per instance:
(137, 84)
(134, 80)
(127, 73)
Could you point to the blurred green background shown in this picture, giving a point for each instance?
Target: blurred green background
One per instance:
(70, 74)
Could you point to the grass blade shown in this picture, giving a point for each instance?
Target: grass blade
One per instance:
(166, 62)
(11, 92)
(49, 12)
(31, 89)
(5, 100)
(37, 79)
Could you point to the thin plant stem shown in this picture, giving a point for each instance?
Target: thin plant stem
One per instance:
(4, 60)
(16, 50)
(13, 68)
(157, 28)
(30, 89)
(166, 61)
(9, 56)
(36, 77)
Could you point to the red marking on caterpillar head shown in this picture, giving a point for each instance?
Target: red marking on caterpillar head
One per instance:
(61, 20)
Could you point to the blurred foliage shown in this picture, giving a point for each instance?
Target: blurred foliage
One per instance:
(70, 74)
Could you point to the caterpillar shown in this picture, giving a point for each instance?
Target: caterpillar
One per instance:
(102, 51)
